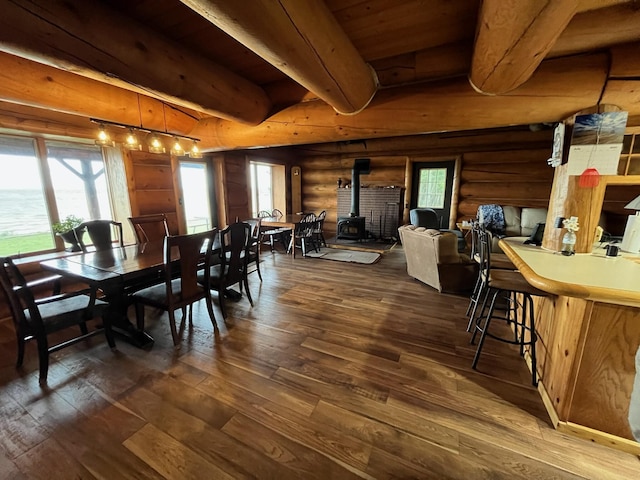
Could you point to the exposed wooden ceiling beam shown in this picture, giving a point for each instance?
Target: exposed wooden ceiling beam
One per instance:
(599, 29)
(14, 117)
(558, 89)
(303, 40)
(512, 39)
(625, 61)
(444, 61)
(89, 39)
(29, 83)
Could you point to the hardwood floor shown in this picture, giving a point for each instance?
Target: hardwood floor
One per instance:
(339, 371)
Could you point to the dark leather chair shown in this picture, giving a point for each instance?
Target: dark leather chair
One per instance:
(428, 218)
(180, 291)
(100, 234)
(149, 228)
(38, 318)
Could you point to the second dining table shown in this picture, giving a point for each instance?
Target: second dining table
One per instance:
(285, 221)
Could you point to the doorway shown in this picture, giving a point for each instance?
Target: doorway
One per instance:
(432, 187)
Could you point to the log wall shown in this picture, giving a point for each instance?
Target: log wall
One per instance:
(506, 166)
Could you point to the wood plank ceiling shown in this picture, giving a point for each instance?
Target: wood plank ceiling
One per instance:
(267, 73)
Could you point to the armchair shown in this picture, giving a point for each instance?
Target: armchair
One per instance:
(433, 258)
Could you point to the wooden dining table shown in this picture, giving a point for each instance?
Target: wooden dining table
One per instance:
(285, 221)
(115, 272)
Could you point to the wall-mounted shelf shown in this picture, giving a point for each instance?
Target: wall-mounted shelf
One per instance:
(630, 155)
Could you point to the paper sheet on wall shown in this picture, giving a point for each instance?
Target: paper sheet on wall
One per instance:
(603, 157)
(596, 142)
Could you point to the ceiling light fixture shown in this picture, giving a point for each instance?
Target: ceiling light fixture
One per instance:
(154, 141)
(103, 137)
(131, 141)
(195, 151)
(177, 149)
(155, 144)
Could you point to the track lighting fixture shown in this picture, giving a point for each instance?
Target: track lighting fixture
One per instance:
(154, 141)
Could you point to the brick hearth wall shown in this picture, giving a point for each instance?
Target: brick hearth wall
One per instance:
(382, 208)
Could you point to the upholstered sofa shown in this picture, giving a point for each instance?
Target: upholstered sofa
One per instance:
(433, 258)
(519, 222)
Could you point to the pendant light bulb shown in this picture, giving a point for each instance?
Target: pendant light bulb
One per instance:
(103, 137)
(131, 141)
(155, 145)
(177, 149)
(195, 151)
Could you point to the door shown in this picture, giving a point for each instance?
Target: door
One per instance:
(432, 187)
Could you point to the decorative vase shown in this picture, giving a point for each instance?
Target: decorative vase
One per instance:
(71, 237)
(569, 243)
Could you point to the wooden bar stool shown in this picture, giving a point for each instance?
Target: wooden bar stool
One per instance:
(510, 285)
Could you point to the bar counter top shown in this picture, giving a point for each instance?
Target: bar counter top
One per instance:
(591, 276)
(588, 335)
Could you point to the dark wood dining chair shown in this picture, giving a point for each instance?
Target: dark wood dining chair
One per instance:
(36, 319)
(180, 291)
(273, 235)
(303, 233)
(233, 260)
(149, 228)
(101, 234)
(254, 246)
(318, 230)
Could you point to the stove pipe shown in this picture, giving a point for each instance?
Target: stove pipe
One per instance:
(360, 166)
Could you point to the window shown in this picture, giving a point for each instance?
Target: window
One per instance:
(78, 180)
(24, 219)
(432, 182)
(73, 173)
(195, 196)
(261, 188)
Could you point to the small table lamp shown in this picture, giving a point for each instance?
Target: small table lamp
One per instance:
(631, 239)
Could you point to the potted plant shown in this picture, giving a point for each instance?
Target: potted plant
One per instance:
(68, 231)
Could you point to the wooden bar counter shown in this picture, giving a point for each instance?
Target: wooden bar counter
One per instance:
(588, 335)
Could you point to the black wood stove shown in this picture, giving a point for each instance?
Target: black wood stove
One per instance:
(353, 227)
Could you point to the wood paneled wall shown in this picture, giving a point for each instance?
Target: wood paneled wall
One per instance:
(232, 172)
(154, 187)
(505, 166)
